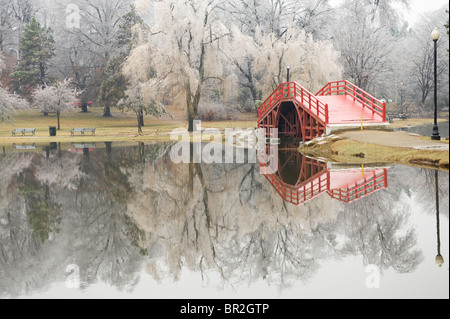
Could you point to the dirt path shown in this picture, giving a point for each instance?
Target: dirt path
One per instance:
(396, 139)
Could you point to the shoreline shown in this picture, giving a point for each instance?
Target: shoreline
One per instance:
(392, 147)
(351, 147)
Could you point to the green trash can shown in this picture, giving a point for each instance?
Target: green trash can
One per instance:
(52, 130)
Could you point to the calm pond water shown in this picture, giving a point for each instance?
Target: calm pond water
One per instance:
(124, 221)
(427, 130)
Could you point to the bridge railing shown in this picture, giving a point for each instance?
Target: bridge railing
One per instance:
(346, 88)
(376, 181)
(293, 90)
(303, 193)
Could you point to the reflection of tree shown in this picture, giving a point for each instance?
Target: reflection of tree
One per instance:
(20, 252)
(279, 257)
(10, 166)
(123, 207)
(43, 214)
(111, 246)
(110, 250)
(86, 199)
(28, 216)
(62, 171)
(227, 220)
(230, 221)
(248, 186)
(376, 229)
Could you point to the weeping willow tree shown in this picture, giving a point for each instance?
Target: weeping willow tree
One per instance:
(199, 55)
(139, 74)
(186, 41)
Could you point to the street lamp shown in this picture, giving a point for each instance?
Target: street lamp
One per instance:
(435, 35)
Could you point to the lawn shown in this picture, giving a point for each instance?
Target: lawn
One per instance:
(121, 127)
(355, 152)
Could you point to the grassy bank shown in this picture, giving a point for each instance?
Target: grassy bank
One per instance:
(121, 127)
(355, 152)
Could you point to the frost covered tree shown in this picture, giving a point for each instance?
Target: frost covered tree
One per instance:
(137, 100)
(56, 99)
(14, 16)
(9, 104)
(186, 44)
(261, 60)
(311, 16)
(202, 51)
(423, 57)
(364, 42)
(139, 77)
(84, 49)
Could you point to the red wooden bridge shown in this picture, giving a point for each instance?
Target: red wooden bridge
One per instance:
(298, 113)
(300, 179)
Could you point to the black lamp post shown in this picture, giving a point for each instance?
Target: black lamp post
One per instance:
(435, 35)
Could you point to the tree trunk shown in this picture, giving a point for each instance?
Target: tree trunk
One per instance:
(42, 73)
(142, 118)
(189, 107)
(57, 116)
(139, 121)
(191, 118)
(192, 103)
(107, 111)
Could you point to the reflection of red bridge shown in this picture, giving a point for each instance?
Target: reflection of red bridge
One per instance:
(300, 179)
(296, 112)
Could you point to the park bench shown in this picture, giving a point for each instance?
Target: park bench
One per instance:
(83, 146)
(25, 147)
(82, 131)
(24, 131)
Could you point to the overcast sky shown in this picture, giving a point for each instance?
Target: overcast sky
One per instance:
(420, 6)
(417, 8)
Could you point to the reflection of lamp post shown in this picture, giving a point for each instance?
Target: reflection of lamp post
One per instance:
(435, 35)
(439, 258)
